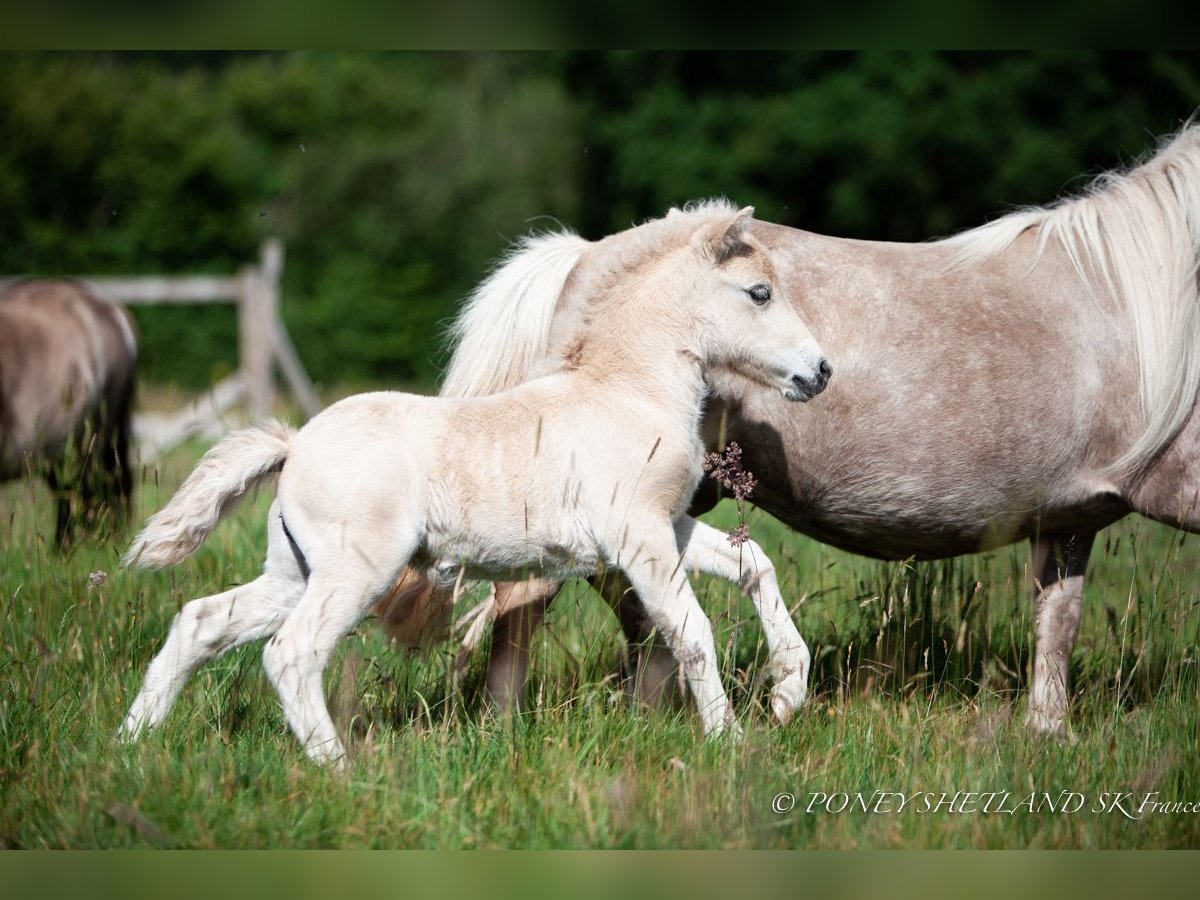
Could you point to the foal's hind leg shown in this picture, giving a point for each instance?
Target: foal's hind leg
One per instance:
(341, 591)
(1059, 563)
(208, 627)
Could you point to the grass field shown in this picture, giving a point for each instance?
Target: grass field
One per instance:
(918, 689)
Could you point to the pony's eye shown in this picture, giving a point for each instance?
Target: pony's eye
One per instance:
(760, 293)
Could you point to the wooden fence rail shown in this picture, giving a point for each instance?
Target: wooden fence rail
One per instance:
(263, 342)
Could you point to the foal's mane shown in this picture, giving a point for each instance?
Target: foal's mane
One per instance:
(1136, 233)
(502, 334)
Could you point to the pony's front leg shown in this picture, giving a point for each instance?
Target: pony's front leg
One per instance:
(651, 673)
(520, 609)
(705, 549)
(1059, 563)
(657, 572)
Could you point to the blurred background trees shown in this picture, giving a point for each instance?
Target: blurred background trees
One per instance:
(396, 178)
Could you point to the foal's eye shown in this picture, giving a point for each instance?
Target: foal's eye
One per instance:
(760, 293)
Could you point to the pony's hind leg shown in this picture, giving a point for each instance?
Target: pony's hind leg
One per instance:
(209, 626)
(707, 550)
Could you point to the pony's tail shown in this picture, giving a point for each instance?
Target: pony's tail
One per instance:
(223, 475)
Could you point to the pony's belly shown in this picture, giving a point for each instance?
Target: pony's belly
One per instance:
(928, 529)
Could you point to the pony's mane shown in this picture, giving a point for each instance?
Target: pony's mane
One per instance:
(504, 326)
(1137, 233)
(502, 335)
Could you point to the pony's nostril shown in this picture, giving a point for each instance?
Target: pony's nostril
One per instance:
(826, 369)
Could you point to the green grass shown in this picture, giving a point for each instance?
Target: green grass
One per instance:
(918, 686)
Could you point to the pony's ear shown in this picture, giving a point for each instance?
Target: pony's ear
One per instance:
(725, 238)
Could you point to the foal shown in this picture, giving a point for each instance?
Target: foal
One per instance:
(587, 468)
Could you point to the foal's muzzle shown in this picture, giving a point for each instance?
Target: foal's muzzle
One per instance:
(804, 388)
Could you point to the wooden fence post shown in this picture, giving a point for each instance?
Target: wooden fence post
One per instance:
(258, 309)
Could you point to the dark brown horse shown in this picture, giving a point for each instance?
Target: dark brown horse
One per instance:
(67, 365)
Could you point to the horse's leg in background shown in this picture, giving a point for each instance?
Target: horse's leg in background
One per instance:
(520, 609)
(209, 626)
(118, 467)
(62, 506)
(651, 671)
(1059, 563)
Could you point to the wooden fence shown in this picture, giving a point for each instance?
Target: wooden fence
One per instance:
(263, 342)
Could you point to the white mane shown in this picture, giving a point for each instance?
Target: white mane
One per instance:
(503, 329)
(501, 337)
(1138, 232)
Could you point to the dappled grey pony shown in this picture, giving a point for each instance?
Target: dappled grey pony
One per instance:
(1034, 378)
(68, 359)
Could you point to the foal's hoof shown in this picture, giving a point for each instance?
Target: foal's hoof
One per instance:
(131, 729)
(788, 695)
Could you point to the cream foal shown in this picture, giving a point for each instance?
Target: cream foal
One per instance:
(588, 468)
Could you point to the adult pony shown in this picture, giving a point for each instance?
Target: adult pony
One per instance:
(1034, 378)
(68, 360)
(531, 479)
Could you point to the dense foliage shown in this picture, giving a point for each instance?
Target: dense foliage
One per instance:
(395, 178)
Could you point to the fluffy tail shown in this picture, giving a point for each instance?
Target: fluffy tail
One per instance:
(222, 476)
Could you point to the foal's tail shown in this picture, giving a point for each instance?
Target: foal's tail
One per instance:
(222, 476)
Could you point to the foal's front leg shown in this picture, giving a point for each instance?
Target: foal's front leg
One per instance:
(705, 549)
(657, 572)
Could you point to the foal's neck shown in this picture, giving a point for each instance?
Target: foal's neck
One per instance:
(644, 356)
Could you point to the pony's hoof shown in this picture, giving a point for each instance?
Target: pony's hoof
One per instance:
(329, 755)
(1041, 724)
(731, 734)
(727, 731)
(788, 696)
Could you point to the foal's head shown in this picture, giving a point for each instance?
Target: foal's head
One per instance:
(729, 304)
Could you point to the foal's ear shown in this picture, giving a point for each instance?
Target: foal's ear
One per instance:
(725, 238)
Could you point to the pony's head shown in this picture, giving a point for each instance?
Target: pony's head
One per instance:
(739, 316)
